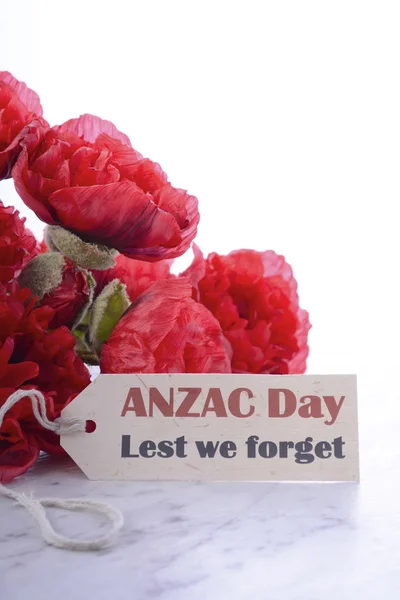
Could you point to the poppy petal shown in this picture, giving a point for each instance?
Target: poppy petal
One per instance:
(25, 95)
(136, 221)
(166, 331)
(18, 458)
(89, 127)
(30, 185)
(197, 269)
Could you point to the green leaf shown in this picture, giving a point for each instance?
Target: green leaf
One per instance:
(106, 311)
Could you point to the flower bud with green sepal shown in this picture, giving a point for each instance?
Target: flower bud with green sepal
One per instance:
(107, 310)
(83, 254)
(58, 283)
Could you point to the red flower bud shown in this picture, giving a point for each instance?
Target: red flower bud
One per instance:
(58, 283)
(82, 254)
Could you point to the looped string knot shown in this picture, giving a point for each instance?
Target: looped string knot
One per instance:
(60, 426)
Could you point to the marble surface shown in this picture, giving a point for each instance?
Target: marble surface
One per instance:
(239, 541)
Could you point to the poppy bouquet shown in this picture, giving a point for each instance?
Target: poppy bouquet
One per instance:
(99, 289)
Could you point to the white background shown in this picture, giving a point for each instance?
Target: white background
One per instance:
(282, 117)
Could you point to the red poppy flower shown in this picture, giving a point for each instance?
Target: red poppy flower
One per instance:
(253, 295)
(16, 243)
(85, 177)
(137, 275)
(58, 283)
(166, 331)
(60, 371)
(33, 357)
(19, 107)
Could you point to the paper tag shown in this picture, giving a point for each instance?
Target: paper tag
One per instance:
(217, 427)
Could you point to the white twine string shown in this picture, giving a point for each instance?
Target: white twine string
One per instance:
(60, 426)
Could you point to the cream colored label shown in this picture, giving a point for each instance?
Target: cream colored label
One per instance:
(218, 427)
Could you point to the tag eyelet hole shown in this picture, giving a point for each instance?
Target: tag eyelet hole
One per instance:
(90, 426)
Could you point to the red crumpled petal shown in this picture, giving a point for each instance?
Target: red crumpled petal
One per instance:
(19, 109)
(118, 215)
(30, 185)
(14, 375)
(26, 138)
(59, 368)
(298, 363)
(197, 269)
(253, 295)
(89, 128)
(17, 244)
(18, 450)
(124, 156)
(166, 331)
(137, 275)
(25, 95)
(172, 199)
